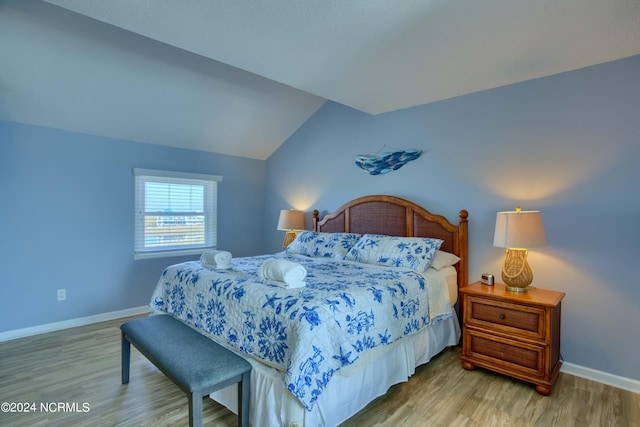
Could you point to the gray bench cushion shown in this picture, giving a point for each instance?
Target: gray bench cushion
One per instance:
(191, 360)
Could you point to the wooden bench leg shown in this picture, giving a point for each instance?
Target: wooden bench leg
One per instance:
(126, 357)
(195, 410)
(244, 388)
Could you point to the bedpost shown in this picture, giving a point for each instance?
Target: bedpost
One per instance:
(463, 270)
(316, 219)
(464, 249)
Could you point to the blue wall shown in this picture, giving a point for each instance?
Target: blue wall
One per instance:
(568, 145)
(67, 220)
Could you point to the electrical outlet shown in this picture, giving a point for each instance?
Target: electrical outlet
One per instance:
(62, 294)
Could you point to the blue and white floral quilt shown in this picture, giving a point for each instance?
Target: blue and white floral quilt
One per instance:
(308, 333)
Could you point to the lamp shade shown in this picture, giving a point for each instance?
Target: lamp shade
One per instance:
(519, 229)
(291, 220)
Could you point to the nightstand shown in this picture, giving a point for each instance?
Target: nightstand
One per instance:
(516, 334)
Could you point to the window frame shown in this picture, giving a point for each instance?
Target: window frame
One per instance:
(210, 212)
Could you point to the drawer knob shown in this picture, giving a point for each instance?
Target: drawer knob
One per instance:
(502, 316)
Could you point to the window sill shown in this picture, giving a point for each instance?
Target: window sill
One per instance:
(170, 253)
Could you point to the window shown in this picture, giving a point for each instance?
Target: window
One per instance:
(175, 213)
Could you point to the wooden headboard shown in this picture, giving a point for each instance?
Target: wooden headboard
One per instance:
(394, 216)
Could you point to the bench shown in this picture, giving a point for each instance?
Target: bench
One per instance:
(192, 361)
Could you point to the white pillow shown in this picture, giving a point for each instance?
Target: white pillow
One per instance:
(410, 252)
(443, 259)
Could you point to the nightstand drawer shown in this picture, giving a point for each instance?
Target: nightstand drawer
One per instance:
(503, 354)
(506, 317)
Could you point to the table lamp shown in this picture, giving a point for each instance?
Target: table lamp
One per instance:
(516, 231)
(290, 221)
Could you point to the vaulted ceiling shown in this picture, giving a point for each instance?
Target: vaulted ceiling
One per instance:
(239, 77)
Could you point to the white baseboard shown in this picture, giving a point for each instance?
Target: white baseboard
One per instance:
(72, 323)
(601, 377)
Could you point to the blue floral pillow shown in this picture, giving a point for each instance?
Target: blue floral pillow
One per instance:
(416, 253)
(330, 245)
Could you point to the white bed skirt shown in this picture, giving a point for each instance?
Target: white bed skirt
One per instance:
(273, 405)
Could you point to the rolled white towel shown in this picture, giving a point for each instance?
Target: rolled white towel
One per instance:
(218, 260)
(288, 274)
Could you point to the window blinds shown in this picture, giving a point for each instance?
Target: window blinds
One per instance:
(175, 213)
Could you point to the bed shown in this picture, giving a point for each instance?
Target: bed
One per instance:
(360, 323)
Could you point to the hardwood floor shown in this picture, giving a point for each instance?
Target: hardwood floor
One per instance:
(80, 369)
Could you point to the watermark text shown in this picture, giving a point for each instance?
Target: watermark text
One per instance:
(53, 407)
